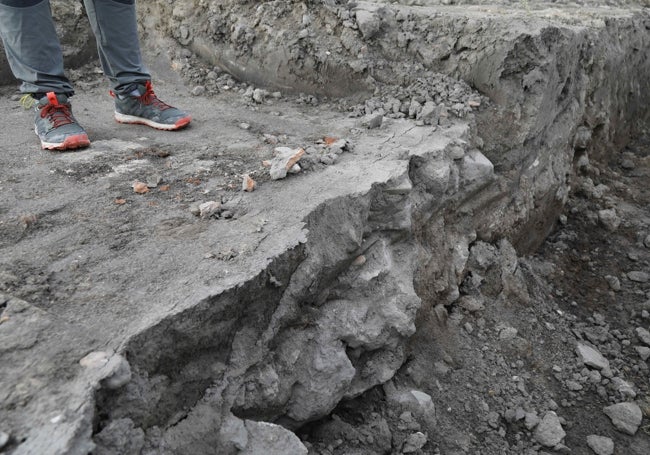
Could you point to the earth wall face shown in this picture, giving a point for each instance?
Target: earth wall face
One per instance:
(319, 321)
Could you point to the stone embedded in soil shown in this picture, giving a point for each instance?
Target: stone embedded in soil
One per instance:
(613, 282)
(625, 417)
(372, 121)
(419, 403)
(643, 351)
(638, 276)
(414, 442)
(209, 208)
(508, 333)
(368, 22)
(120, 373)
(609, 219)
(549, 431)
(623, 387)
(270, 439)
(643, 335)
(96, 359)
(591, 357)
(601, 445)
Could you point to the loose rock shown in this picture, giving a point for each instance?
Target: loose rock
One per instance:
(643, 335)
(643, 351)
(639, 277)
(625, 417)
(414, 442)
(591, 357)
(609, 219)
(601, 445)
(284, 160)
(549, 432)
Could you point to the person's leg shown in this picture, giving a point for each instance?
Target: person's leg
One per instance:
(35, 58)
(115, 26)
(116, 31)
(32, 46)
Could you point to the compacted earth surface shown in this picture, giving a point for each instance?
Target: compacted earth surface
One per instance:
(332, 270)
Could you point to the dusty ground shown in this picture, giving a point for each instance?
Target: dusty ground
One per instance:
(200, 306)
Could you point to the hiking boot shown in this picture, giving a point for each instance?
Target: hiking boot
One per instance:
(55, 125)
(147, 109)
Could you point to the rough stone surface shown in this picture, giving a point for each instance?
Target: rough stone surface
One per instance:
(601, 445)
(549, 431)
(625, 417)
(591, 357)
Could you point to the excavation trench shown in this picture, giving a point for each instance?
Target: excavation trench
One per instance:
(327, 321)
(485, 113)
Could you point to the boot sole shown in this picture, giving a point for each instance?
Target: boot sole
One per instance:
(133, 120)
(70, 143)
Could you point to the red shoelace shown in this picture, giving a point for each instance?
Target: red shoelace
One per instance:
(149, 97)
(58, 114)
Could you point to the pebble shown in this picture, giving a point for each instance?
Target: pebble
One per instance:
(531, 420)
(549, 432)
(373, 121)
(639, 277)
(643, 335)
(628, 164)
(643, 351)
(591, 357)
(414, 442)
(609, 219)
(508, 333)
(646, 241)
(259, 95)
(625, 417)
(614, 283)
(601, 445)
(573, 386)
(209, 208)
(198, 90)
(244, 126)
(623, 387)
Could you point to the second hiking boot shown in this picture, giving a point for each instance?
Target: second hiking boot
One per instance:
(55, 125)
(147, 109)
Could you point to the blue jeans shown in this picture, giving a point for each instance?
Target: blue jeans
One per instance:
(34, 52)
